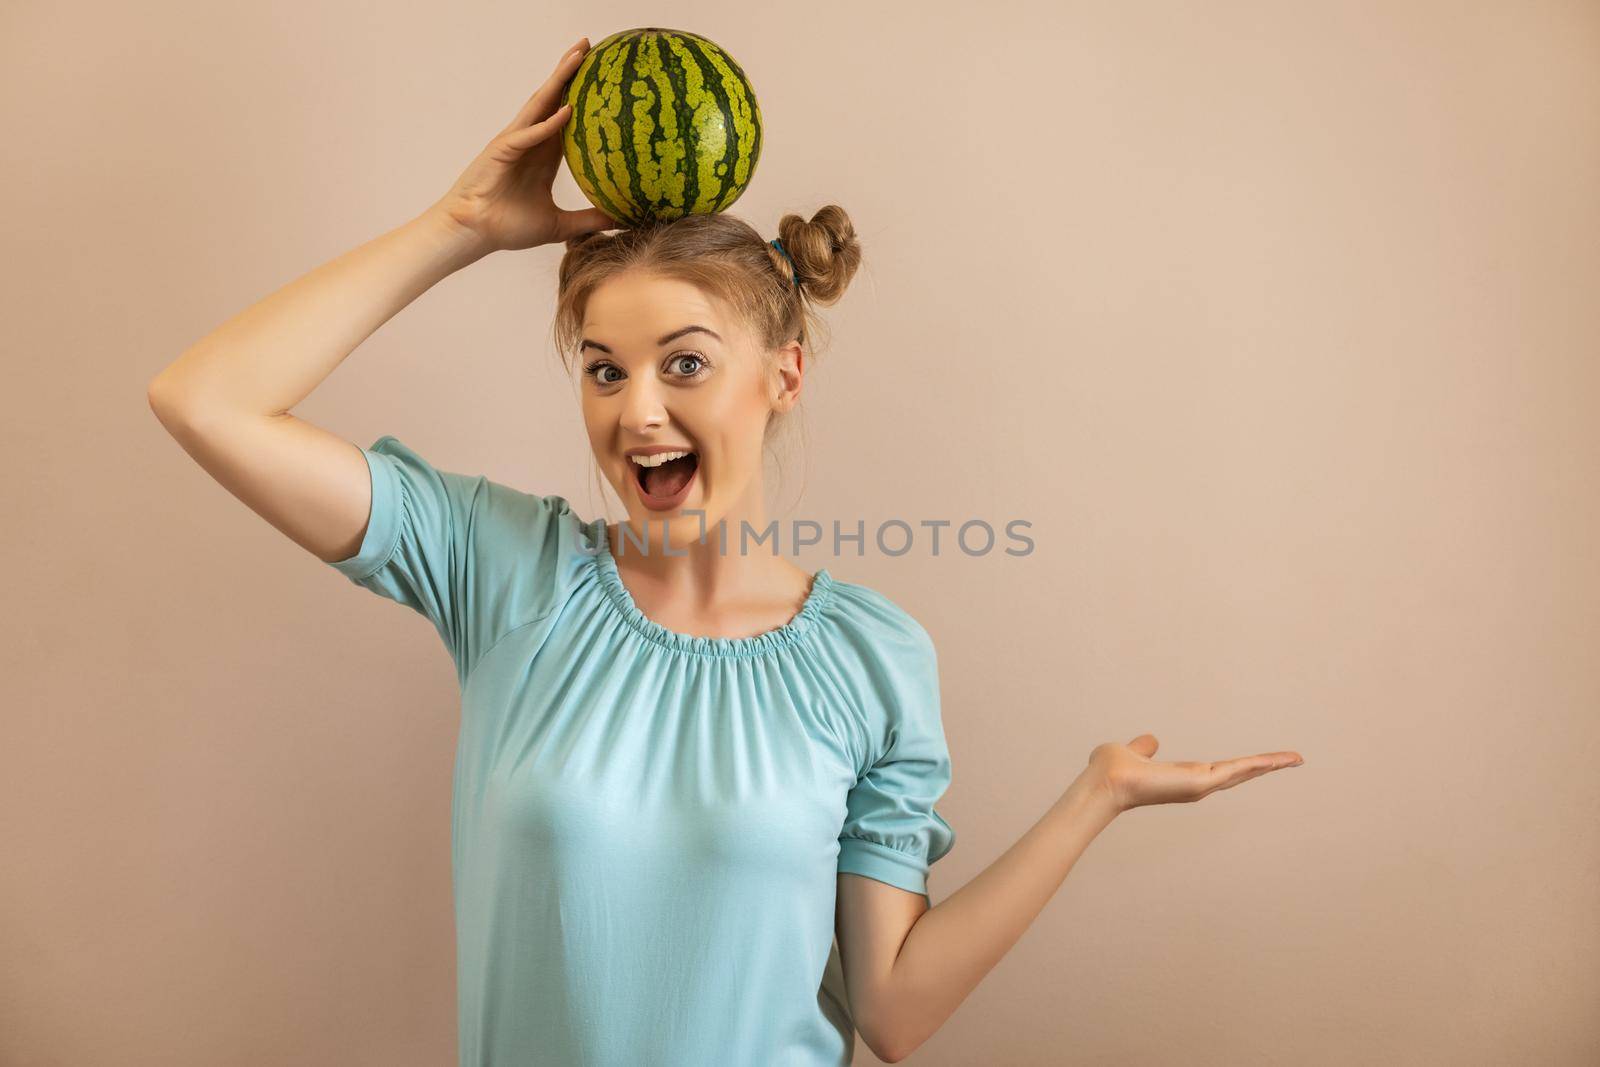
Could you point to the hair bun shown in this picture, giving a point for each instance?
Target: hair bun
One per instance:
(824, 250)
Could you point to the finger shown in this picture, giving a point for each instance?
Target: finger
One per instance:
(570, 224)
(532, 135)
(544, 99)
(1145, 745)
(1228, 773)
(548, 95)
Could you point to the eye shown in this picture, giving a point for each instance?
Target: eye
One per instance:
(594, 370)
(699, 363)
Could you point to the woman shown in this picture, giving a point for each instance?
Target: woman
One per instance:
(683, 764)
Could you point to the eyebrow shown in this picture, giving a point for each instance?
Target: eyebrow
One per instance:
(667, 340)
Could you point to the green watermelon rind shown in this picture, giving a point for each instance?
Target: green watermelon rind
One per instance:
(634, 187)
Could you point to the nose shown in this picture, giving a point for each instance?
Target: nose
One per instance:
(642, 410)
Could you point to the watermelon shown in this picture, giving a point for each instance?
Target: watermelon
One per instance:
(664, 124)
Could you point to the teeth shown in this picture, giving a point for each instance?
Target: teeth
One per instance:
(658, 459)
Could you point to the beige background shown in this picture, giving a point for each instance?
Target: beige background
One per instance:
(1277, 321)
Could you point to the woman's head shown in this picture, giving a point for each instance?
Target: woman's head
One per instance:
(624, 304)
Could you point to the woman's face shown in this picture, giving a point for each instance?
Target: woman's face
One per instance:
(663, 364)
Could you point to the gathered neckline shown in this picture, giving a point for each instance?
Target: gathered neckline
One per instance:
(605, 566)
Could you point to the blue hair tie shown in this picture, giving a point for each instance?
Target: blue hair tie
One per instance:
(774, 243)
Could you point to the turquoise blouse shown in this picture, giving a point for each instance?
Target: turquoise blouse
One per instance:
(647, 824)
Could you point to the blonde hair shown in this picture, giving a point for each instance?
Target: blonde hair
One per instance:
(725, 258)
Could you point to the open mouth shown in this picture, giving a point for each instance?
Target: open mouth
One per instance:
(664, 487)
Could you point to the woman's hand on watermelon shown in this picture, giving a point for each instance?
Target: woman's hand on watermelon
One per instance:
(504, 195)
(1126, 777)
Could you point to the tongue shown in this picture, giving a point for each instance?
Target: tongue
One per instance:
(667, 479)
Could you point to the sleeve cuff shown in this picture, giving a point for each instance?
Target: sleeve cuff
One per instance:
(383, 522)
(872, 860)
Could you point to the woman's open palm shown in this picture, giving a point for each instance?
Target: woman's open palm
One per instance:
(504, 194)
(1132, 779)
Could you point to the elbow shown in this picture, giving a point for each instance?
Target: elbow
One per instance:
(160, 395)
(886, 1055)
(886, 1047)
(174, 405)
(891, 1055)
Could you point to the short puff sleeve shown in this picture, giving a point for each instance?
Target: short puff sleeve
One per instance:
(892, 833)
(474, 557)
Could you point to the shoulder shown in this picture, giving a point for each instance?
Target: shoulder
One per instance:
(524, 513)
(484, 506)
(541, 533)
(876, 621)
(881, 654)
(523, 551)
(885, 660)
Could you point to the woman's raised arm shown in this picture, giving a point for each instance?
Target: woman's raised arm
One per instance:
(269, 357)
(227, 399)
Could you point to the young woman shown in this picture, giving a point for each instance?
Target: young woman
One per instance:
(685, 765)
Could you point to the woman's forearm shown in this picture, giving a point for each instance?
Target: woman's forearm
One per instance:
(269, 357)
(954, 944)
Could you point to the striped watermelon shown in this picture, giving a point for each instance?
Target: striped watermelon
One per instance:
(664, 124)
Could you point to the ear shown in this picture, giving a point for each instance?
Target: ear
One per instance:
(788, 376)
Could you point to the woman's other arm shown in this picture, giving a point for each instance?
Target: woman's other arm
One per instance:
(953, 945)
